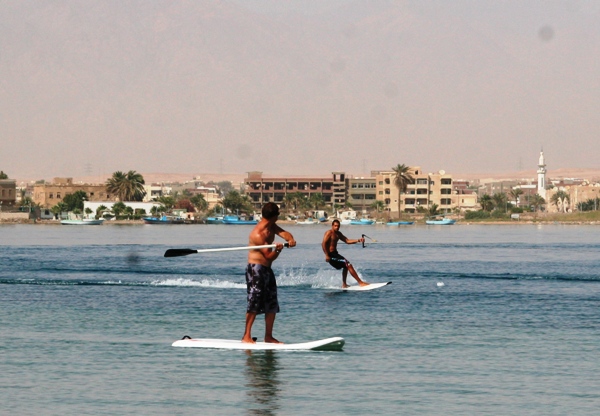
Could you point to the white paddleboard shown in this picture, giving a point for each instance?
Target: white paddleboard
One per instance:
(370, 286)
(328, 344)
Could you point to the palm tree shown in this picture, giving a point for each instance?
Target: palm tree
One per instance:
(127, 186)
(402, 178)
(433, 210)
(58, 209)
(486, 202)
(515, 193)
(100, 210)
(537, 201)
(378, 206)
(316, 200)
(499, 199)
(199, 202)
(167, 201)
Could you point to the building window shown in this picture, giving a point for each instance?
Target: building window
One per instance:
(58, 195)
(51, 195)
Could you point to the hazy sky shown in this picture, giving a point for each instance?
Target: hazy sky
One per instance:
(297, 87)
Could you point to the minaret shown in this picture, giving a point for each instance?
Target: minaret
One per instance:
(541, 172)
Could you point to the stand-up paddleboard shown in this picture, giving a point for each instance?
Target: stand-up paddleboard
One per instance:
(370, 286)
(328, 344)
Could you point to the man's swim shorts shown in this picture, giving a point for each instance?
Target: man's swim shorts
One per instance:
(261, 288)
(338, 261)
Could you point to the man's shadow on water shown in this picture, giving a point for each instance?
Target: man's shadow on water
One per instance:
(263, 386)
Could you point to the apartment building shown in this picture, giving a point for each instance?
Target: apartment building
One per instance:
(427, 189)
(262, 190)
(362, 193)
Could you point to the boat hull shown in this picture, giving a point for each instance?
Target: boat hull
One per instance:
(82, 222)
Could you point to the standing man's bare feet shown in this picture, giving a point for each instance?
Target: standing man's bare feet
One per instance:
(363, 284)
(249, 340)
(344, 286)
(272, 340)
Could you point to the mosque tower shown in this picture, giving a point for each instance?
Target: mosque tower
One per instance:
(541, 173)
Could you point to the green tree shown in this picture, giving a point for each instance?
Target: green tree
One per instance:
(75, 200)
(486, 203)
(119, 208)
(167, 201)
(377, 206)
(500, 201)
(537, 201)
(3, 175)
(433, 210)
(297, 201)
(100, 210)
(402, 178)
(316, 200)
(236, 202)
(126, 186)
(58, 209)
(199, 202)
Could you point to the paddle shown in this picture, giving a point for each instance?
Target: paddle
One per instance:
(178, 252)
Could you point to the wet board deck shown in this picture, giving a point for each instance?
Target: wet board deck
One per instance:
(371, 286)
(328, 344)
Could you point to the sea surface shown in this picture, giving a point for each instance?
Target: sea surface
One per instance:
(479, 320)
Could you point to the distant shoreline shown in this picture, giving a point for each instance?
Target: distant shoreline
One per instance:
(285, 222)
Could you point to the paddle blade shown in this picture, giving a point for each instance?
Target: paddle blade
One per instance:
(178, 252)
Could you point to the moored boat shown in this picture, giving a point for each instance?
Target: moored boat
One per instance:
(163, 220)
(362, 221)
(308, 221)
(444, 221)
(237, 220)
(85, 221)
(399, 223)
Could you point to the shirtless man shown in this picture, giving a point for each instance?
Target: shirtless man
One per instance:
(260, 279)
(337, 261)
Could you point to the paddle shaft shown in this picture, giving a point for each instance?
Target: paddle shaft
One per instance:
(177, 252)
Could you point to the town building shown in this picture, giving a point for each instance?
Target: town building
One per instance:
(49, 194)
(8, 193)
(262, 190)
(362, 193)
(427, 189)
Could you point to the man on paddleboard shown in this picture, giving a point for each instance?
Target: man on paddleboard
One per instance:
(337, 261)
(261, 286)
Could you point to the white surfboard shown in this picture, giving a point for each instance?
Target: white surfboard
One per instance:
(370, 286)
(328, 344)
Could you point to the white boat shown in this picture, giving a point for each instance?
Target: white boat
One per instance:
(444, 221)
(85, 221)
(308, 221)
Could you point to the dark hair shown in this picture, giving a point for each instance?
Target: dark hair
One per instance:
(334, 221)
(270, 210)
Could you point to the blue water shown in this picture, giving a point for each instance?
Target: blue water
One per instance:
(88, 315)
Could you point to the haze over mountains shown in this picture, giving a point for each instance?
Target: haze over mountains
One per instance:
(87, 88)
